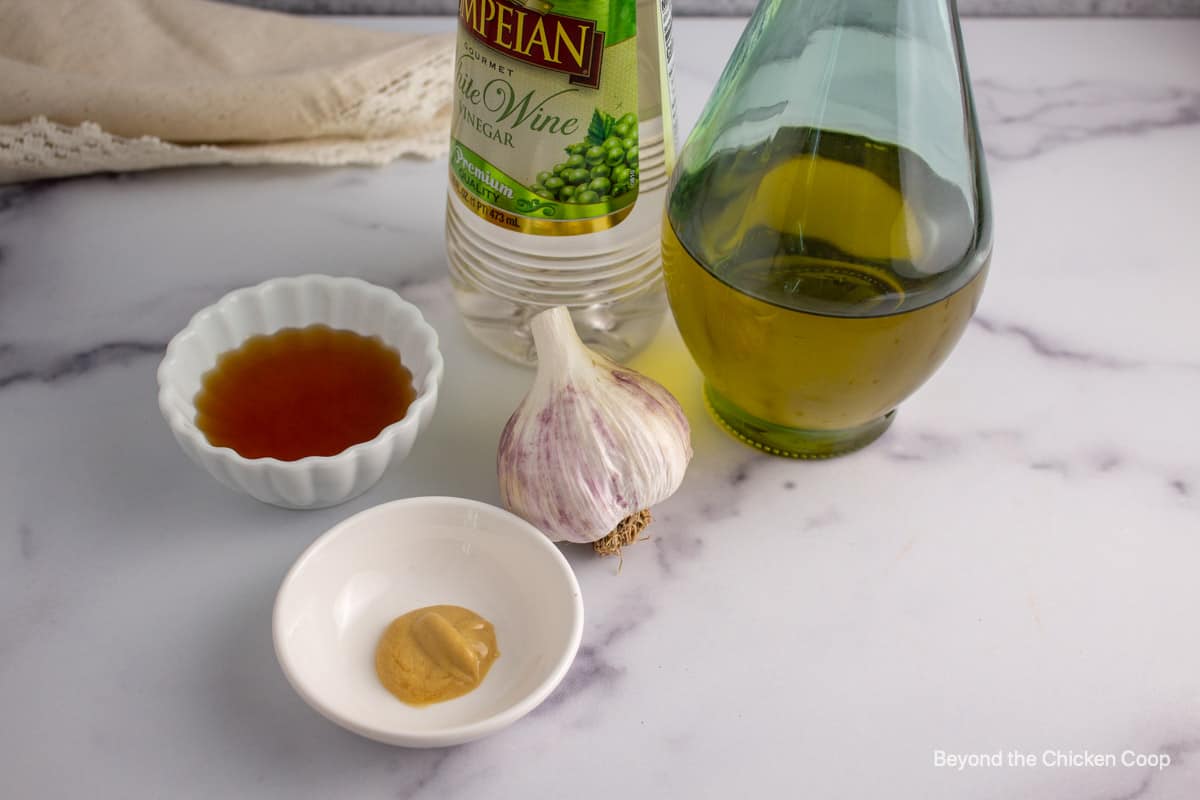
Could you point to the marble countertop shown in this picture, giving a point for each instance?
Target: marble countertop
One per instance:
(1011, 569)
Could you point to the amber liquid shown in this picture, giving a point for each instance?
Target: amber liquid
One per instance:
(302, 392)
(820, 278)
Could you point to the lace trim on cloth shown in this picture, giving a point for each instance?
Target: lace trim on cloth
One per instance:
(43, 149)
(405, 115)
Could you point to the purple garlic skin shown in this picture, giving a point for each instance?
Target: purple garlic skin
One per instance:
(591, 443)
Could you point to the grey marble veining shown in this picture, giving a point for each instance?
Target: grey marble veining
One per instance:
(1160, 8)
(1013, 566)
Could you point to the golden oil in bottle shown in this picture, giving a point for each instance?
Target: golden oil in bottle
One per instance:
(818, 279)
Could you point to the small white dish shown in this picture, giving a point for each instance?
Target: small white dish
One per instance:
(345, 303)
(345, 589)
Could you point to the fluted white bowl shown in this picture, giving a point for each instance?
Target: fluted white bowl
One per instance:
(345, 303)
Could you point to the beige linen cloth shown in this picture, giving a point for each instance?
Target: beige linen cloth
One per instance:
(114, 85)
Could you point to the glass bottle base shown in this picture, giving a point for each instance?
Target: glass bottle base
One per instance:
(791, 442)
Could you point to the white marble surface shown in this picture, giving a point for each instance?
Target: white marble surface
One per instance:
(1013, 567)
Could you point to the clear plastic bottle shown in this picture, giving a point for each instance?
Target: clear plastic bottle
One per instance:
(508, 261)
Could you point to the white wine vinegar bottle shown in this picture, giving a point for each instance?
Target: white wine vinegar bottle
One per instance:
(559, 156)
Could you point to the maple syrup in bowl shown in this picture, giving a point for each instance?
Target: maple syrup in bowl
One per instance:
(301, 391)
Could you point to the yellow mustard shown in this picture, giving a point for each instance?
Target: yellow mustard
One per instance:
(435, 653)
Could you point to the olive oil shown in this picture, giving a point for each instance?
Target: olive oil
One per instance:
(818, 279)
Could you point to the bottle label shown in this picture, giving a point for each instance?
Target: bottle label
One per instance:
(544, 138)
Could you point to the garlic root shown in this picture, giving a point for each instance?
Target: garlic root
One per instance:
(626, 533)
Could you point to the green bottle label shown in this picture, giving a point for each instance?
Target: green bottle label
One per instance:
(544, 138)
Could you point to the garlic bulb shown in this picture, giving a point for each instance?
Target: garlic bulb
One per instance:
(592, 446)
